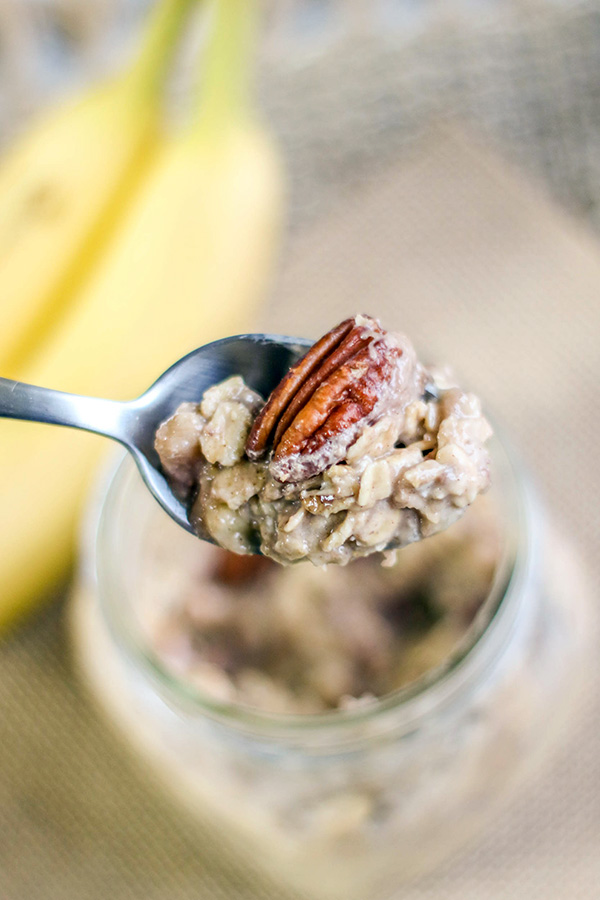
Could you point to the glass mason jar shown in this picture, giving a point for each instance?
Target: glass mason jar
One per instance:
(341, 802)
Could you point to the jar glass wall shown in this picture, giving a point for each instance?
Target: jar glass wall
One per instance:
(341, 802)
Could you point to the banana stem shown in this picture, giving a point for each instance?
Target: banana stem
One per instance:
(149, 70)
(224, 90)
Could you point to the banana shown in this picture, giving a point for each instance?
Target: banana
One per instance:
(64, 183)
(188, 263)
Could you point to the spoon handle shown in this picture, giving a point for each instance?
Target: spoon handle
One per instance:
(39, 404)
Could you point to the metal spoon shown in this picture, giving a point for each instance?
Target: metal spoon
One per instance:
(261, 359)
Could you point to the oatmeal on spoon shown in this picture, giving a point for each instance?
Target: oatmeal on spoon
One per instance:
(359, 449)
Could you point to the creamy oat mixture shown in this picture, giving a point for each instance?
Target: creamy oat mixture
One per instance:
(360, 449)
(306, 639)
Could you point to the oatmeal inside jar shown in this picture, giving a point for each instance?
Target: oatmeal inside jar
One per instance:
(359, 449)
(306, 639)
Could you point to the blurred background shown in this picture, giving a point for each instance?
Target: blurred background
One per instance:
(521, 72)
(443, 171)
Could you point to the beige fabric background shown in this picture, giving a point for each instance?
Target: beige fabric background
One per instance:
(472, 261)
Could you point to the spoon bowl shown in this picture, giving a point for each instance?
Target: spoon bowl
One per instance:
(261, 359)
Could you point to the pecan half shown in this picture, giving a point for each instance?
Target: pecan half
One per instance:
(267, 419)
(318, 409)
(233, 569)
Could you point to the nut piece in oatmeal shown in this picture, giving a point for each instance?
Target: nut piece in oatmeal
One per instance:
(359, 449)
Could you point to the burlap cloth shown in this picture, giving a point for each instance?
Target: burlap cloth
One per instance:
(480, 268)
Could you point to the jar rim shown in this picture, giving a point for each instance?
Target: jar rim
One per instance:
(481, 643)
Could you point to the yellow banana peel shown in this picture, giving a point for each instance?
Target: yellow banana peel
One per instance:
(65, 182)
(189, 262)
